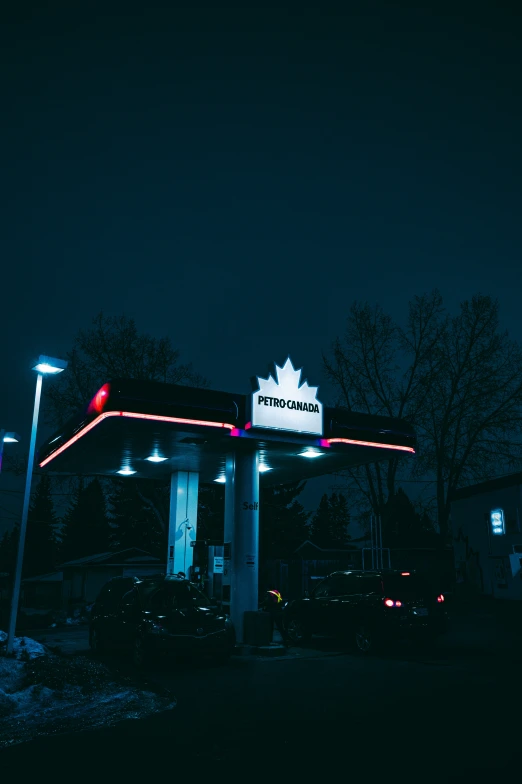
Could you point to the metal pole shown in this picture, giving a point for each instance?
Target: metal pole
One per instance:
(380, 541)
(185, 553)
(371, 538)
(2, 434)
(23, 522)
(244, 590)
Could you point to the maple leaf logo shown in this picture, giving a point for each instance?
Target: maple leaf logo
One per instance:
(283, 403)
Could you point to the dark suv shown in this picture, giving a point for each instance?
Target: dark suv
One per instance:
(158, 614)
(371, 607)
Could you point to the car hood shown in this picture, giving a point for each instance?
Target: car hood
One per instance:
(186, 620)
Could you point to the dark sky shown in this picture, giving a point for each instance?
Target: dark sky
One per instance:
(235, 178)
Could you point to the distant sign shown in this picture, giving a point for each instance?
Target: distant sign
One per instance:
(498, 527)
(218, 565)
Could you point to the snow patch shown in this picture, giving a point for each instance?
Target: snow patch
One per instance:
(42, 694)
(23, 647)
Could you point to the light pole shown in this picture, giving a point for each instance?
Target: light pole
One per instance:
(44, 366)
(7, 438)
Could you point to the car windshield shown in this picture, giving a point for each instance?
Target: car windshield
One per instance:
(174, 594)
(411, 586)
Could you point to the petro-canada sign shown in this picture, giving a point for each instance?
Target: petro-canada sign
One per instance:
(283, 403)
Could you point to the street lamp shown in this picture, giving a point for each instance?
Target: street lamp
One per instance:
(45, 366)
(7, 438)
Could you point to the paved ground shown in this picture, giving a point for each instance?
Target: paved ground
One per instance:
(68, 640)
(437, 715)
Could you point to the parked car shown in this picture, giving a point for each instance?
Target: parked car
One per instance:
(372, 607)
(158, 614)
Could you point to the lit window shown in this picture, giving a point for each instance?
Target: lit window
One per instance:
(496, 517)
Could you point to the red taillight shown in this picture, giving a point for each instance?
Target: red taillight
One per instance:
(392, 603)
(405, 574)
(440, 598)
(100, 398)
(398, 604)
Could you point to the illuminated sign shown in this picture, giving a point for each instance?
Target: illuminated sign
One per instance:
(496, 517)
(283, 403)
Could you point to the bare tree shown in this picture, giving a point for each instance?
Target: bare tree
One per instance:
(379, 367)
(471, 416)
(112, 348)
(458, 381)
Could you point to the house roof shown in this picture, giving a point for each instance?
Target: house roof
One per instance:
(325, 549)
(50, 577)
(490, 485)
(129, 555)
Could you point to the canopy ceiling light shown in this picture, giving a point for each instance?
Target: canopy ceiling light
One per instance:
(156, 458)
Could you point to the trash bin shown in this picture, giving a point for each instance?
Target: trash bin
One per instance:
(257, 627)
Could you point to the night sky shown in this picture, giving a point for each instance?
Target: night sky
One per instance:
(235, 178)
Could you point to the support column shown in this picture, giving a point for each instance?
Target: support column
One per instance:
(183, 521)
(245, 540)
(229, 530)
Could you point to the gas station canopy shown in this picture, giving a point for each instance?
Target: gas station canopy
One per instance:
(151, 430)
(280, 433)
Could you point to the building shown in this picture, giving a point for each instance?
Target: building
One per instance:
(486, 525)
(43, 592)
(84, 578)
(79, 582)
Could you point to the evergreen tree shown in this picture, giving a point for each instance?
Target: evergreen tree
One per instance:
(94, 512)
(339, 520)
(86, 529)
(403, 526)
(211, 512)
(329, 524)
(321, 523)
(8, 547)
(133, 522)
(40, 541)
(72, 544)
(283, 520)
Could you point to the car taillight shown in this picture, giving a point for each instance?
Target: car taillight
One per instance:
(392, 603)
(440, 598)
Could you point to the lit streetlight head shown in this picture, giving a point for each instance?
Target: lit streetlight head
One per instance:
(263, 468)
(50, 365)
(11, 438)
(221, 480)
(155, 458)
(126, 471)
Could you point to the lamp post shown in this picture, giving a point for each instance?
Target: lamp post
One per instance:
(7, 438)
(45, 366)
